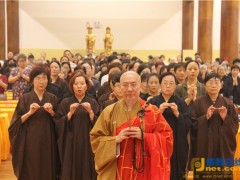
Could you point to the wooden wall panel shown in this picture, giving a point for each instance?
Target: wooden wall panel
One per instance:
(187, 24)
(229, 30)
(13, 25)
(205, 24)
(2, 30)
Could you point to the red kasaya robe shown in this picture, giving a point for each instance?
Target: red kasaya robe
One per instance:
(158, 144)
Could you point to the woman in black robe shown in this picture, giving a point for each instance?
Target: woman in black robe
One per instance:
(32, 131)
(61, 84)
(75, 119)
(175, 111)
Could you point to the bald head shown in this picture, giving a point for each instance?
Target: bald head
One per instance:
(130, 87)
(130, 75)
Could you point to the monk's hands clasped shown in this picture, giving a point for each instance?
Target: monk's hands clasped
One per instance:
(47, 107)
(222, 112)
(129, 132)
(173, 106)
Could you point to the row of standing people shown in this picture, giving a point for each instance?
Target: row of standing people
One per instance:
(68, 124)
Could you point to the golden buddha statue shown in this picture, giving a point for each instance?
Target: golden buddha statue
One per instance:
(108, 40)
(90, 40)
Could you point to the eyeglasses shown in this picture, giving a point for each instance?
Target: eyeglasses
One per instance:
(165, 83)
(210, 83)
(40, 79)
(132, 85)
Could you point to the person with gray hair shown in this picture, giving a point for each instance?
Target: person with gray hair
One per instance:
(202, 73)
(19, 76)
(131, 137)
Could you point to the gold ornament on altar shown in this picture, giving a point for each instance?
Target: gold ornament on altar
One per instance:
(90, 40)
(108, 40)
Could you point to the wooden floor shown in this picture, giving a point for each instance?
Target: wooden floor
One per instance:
(6, 171)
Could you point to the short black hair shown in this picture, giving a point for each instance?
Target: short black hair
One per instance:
(57, 62)
(179, 65)
(144, 77)
(111, 58)
(237, 60)
(167, 74)
(103, 62)
(190, 61)
(235, 67)
(162, 69)
(68, 63)
(170, 66)
(113, 65)
(116, 78)
(39, 69)
(151, 75)
(87, 62)
(210, 76)
(143, 66)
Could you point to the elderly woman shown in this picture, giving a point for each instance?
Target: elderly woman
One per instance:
(19, 77)
(214, 128)
(191, 88)
(32, 131)
(203, 72)
(174, 110)
(75, 119)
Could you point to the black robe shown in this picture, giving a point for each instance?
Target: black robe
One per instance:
(77, 159)
(213, 138)
(34, 147)
(180, 127)
(62, 88)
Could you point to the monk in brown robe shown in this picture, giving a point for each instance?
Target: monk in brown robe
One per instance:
(131, 139)
(214, 128)
(32, 131)
(75, 118)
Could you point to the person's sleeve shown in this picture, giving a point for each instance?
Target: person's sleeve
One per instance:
(103, 143)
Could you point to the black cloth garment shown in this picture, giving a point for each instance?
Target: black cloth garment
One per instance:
(62, 88)
(34, 147)
(144, 96)
(92, 91)
(180, 127)
(105, 88)
(75, 151)
(108, 102)
(223, 79)
(230, 91)
(102, 99)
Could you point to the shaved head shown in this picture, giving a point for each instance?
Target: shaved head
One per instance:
(130, 87)
(130, 74)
